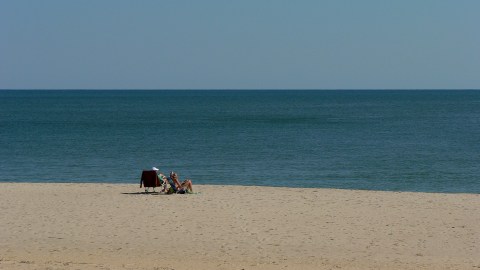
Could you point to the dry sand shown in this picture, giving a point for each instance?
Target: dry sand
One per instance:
(106, 226)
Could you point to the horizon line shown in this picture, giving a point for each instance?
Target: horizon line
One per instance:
(239, 89)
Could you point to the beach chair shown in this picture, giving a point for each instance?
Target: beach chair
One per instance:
(150, 179)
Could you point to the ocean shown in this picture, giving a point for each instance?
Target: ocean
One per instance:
(396, 140)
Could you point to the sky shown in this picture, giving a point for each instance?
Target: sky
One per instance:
(244, 44)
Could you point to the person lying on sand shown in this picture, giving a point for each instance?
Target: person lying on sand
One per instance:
(181, 188)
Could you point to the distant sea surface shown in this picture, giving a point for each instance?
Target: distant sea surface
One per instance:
(426, 141)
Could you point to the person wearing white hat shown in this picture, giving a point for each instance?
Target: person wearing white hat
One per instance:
(161, 177)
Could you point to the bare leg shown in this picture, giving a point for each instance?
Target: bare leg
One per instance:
(188, 184)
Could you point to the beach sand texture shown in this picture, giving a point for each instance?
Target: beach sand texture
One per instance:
(107, 226)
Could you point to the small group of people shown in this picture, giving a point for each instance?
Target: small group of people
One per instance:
(175, 186)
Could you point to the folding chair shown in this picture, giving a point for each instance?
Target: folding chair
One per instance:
(150, 179)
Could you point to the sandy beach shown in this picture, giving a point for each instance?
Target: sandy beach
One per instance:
(107, 226)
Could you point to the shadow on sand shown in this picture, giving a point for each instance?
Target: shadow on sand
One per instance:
(144, 193)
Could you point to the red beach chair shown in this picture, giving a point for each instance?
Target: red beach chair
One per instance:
(150, 179)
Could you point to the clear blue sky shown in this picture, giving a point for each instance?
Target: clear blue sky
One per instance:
(245, 44)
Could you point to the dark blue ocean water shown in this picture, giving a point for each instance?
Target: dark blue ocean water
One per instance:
(376, 140)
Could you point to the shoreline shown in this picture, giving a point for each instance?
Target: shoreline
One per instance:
(253, 186)
(113, 225)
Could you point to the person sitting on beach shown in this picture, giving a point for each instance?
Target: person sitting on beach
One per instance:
(162, 178)
(177, 187)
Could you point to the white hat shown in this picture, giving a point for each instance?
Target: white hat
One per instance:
(155, 169)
